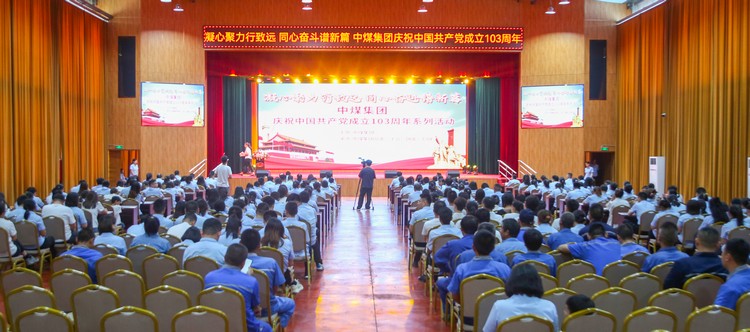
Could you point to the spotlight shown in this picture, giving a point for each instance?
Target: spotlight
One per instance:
(307, 7)
(316, 81)
(259, 80)
(178, 8)
(550, 10)
(466, 81)
(335, 81)
(410, 81)
(422, 9)
(278, 80)
(371, 81)
(428, 81)
(448, 81)
(296, 80)
(391, 81)
(426, 1)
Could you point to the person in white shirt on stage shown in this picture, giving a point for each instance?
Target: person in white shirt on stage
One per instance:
(223, 173)
(134, 168)
(247, 159)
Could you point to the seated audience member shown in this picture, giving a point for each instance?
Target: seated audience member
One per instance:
(737, 219)
(577, 303)
(533, 241)
(734, 259)
(44, 241)
(192, 235)
(693, 211)
(192, 207)
(58, 209)
(580, 222)
(509, 233)
(525, 221)
(627, 244)
(496, 255)
(16, 249)
(596, 197)
(209, 245)
(565, 235)
(663, 208)
(231, 276)
(257, 220)
(283, 306)
(445, 216)
(524, 291)
(488, 203)
(599, 250)
(615, 202)
(545, 218)
(705, 260)
(445, 257)
(719, 213)
(83, 250)
(636, 211)
(274, 236)
(596, 216)
(434, 222)
(107, 236)
(483, 243)
(152, 190)
(423, 212)
(667, 239)
(311, 234)
(188, 220)
(151, 237)
(71, 201)
(160, 205)
(231, 232)
(571, 206)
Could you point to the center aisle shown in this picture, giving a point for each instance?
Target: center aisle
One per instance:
(366, 285)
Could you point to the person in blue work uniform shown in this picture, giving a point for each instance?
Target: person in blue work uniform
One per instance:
(524, 290)
(599, 251)
(627, 245)
(445, 257)
(509, 233)
(151, 236)
(533, 241)
(83, 250)
(209, 245)
(667, 240)
(734, 259)
(705, 260)
(367, 177)
(565, 235)
(468, 255)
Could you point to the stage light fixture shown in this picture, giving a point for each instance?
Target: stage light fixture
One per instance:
(353, 80)
(422, 9)
(307, 7)
(550, 10)
(259, 80)
(166, 1)
(428, 81)
(410, 81)
(306, 1)
(316, 81)
(427, 1)
(335, 81)
(178, 8)
(371, 81)
(278, 80)
(448, 81)
(563, 2)
(296, 80)
(391, 81)
(466, 81)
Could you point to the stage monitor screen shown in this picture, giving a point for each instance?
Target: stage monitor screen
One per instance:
(555, 106)
(172, 104)
(336, 126)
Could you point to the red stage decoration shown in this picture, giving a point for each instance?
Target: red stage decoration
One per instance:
(344, 37)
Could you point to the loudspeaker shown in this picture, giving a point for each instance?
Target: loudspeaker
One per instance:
(391, 174)
(597, 70)
(126, 66)
(325, 173)
(261, 173)
(454, 174)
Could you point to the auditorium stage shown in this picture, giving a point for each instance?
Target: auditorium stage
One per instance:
(348, 179)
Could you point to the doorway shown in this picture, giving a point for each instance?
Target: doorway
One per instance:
(119, 161)
(606, 162)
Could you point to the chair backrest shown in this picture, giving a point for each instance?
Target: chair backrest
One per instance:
(111, 263)
(680, 302)
(689, 230)
(264, 291)
(90, 303)
(128, 285)
(4, 244)
(704, 287)
(128, 239)
(55, 227)
(139, 253)
(299, 241)
(643, 285)
(69, 262)
(44, 319)
(558, 296)
(664, 219)
(743, 311)
(712, 318)
(274, 253)
(617, 218)
(636, 257)
(417, 235)
(526, 323)
(64, 283)
(472, 287)
(173, 240)
(228, 301)
(199, 319)
(25, 298)
(440, 241)
(484, 304)
(616, 271)
(178, 252)
(572, 269)
(591, 319)
(190, 282)
(741, 232)
(618, 301)
(645, 221)
(560, 257)
(27, 234)
(89, 217)
(548, 282)
(662, 270)
(588, 284)
(156, 266)
(201, 265)
(539, 266)
(106, 249)
(650, 319)
(512, 254)
(19, 277)
(129, 319)
(166, 301)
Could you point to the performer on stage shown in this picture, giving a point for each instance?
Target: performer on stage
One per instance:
(367, 178)
(247, 159)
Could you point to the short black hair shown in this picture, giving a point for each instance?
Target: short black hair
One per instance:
(446, 215)
(291, 208)
(192, 234)
(709, 237)
(624, 231)
(236, 255)
(483, 215)
(739, 249)
(571, 205)
(533, 238)
(106, 222)
(511, 226)
(668, 234)
(524, 280)
(250, 238)
(211, 226)
(85, 234)
(159, 205)
(484, 242)
(567, 220)
(469, 224)
(151, 225)
(579, 302)
(596, 212)
(596, 229)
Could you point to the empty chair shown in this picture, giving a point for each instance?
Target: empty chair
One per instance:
(90, 303)
(56, 228)
(44, 319)
(617, 301)
(137, 254)
(616, 271)
(18, 277)
(680, 302)
(484, 304)
(200, 319)
(69, 262)
(712, 318)
(526, 323)
(128, 286)
(548, 282)
(228, 301)
(190, 282)
(637, 257)
(743, 311)
(572, 269)
(25, 298)
(650, 319)
(106, 249)
(201, 265)
(588, 284)
(155, 267)
(177, 252)
(166, 301)
(591, 319)
(704, 287)
(417, 238)
(301, 244)
(64, 283)
(662, 270)
(558, 296)
(28, 236)
(111, 263)
(129, 319)
(643, 285)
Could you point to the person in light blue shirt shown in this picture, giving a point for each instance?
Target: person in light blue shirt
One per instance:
(509, 233)
(106, 235)
(737, 219)
(445, 257)
(526, 221)
(424, 210)
(209, 245)
(496, 256)
(160, 205)
(83, 250)
(596, 197)
(693, 212)
(151, 237)
(71, 201)
(231, 233)
(44, 241)
(598, 251)
(445, 227)
(524, 290)
(667, 240)
(230, 275)
(734, 258)
(545, 220)
(260, 210)
(627, 245)
(533, 241)
(565, 235)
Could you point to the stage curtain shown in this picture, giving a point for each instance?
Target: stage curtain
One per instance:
(484, 125)
(236, 119)
(688, 60)
(215, 121)
(7, 184)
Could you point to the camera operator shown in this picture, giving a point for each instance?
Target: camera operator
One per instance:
(367, 179)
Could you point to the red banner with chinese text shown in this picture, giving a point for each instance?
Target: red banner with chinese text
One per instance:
(342, 37)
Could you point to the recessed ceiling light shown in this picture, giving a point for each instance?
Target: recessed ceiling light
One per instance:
(307, 7)
(178, 8)
(166, 0)
(306, 1)
(550, 10)
(563, 2)
(427, 1)
(422, 9)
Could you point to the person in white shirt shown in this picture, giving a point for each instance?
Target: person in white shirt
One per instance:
(58, 209)
(576, 193)
(445, 216)
(617, 201)
(211, 181)
(596, 197)
(396, 182)
(635, 212)
(409, 188)
(569, 182)
(415, 196)
(134, 168)
(153, 190)
(588, 171)
(247, 159)
(188, 221)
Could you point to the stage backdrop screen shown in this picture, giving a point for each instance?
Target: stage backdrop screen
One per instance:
(559, 106)
(332, 126)
(172, 104)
